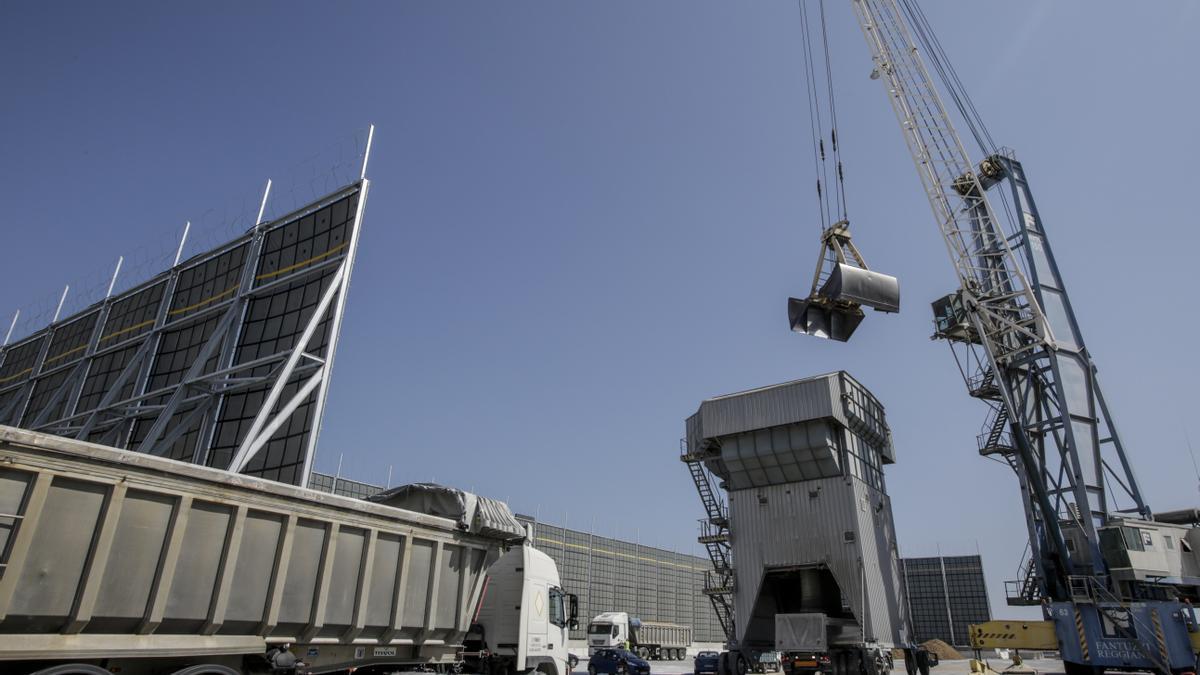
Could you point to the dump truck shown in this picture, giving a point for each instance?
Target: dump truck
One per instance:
(115, 561)
(534, 638)
(647, 639)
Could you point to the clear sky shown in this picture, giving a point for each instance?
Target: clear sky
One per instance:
(586, 217)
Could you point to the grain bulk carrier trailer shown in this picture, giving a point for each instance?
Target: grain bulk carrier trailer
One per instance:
(117, 561)
(809, 524)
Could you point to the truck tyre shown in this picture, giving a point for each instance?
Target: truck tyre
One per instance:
(910, 662)
(73, 669)
(723, 664)
(643, 653)
(923, 662)
(742, 666)
(207, 669)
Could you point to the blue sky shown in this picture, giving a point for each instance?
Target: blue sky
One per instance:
(586, 217)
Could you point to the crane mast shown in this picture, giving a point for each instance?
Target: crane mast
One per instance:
(1012, 321)
(1014, 334)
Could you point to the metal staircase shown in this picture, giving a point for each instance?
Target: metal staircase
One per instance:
(714, 535)
(1026, 591)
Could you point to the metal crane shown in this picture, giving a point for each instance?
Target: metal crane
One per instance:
(1014, 334)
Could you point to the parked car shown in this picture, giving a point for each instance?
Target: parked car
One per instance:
(706, 662)
(617, 662)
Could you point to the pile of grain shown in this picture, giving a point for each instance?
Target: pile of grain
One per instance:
(944, 651)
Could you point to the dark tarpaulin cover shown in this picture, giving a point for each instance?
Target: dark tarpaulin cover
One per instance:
(475, 514)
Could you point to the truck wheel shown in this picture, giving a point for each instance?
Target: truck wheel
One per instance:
(742, 666)
(643, 653)
(923, 662)
(73, 669)
(207, 670)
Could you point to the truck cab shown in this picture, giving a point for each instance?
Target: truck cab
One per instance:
(607, 630)
(526, 579)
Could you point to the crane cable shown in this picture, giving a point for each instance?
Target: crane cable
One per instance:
(837, 153)
(815, 126)
(821, 159)
(945, 70)
(932, 47)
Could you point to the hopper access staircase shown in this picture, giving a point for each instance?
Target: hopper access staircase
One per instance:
(714, 535)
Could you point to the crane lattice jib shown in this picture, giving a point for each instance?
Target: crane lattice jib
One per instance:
(1046, 379)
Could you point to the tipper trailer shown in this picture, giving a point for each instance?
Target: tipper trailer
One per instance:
(647, 639)
(119, 561)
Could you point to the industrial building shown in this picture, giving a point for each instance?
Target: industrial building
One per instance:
(945, 595)
(805, 531)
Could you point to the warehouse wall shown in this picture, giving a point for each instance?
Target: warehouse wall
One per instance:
(610, 575)
(946, 594)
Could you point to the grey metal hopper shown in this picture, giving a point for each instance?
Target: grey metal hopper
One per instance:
(847, 283)
(820, 318)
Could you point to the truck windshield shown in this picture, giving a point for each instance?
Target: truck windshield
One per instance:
(602, 629)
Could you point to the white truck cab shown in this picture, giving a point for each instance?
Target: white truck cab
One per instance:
(610, 629)
(527, 580)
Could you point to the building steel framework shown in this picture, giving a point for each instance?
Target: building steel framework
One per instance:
(222, 360)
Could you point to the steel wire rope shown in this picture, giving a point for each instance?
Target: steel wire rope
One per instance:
(814, 118)
(833, 123)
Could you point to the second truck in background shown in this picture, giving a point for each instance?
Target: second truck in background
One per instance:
(647, 639)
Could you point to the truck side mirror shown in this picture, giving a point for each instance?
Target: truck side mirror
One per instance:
(574, 610)
(574, 624)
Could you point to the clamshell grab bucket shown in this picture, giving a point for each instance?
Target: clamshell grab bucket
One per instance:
(847, 283)
(823, 319)
(833, 309)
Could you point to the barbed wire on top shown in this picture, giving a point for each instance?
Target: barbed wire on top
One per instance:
(301, 182)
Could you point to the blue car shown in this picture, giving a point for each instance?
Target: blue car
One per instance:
(617, 662)
(706, 662)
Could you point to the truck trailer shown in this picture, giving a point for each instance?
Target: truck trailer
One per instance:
(647, 639)
(116, 561)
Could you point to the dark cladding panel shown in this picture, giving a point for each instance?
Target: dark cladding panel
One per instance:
(46, 393)
(273, 323)
(70, 341)
(946, 595)
(132, 315)
(310, 240)
(102, 376)
(207, 283)
(19, 361)
(177, 351)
